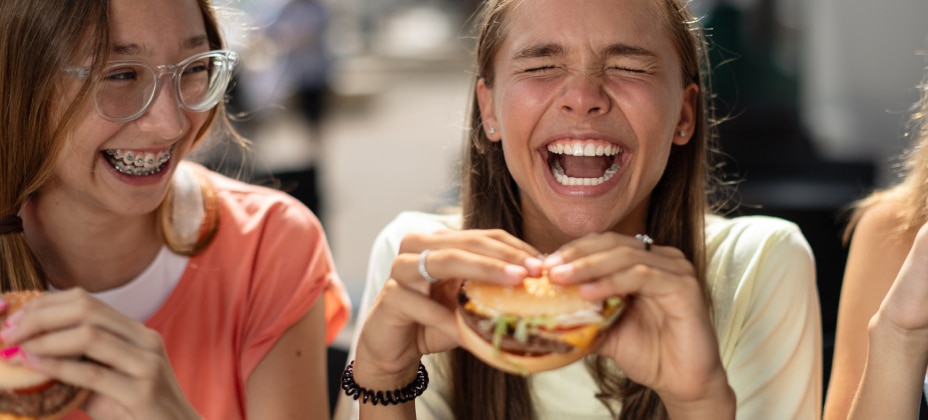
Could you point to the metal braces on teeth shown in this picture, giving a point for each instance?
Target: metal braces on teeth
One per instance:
(131, 164)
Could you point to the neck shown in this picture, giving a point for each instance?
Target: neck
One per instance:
(89, 249)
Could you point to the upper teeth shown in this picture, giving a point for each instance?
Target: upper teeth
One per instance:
(580, 149)
(138, 163)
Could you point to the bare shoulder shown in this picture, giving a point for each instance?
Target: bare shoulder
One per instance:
(877, 249)
(879, 229)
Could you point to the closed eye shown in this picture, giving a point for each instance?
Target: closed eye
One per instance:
(539, 69)
(627, 69)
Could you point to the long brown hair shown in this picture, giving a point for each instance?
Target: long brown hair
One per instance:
(490, 199)
(38, 39)
(912, 191)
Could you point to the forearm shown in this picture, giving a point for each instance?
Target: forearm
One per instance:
(891, 385)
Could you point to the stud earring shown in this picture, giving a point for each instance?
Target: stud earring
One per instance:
(681, 133)
(491, 130)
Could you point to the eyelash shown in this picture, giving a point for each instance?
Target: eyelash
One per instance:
(539, 69)
(628, 69)
(624, 69)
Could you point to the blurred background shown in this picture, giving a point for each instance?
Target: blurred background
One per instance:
(357, 108)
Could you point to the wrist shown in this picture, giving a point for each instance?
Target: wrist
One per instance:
(384, 392)
(905, 345)
(718, 402)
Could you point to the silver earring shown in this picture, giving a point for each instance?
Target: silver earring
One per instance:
(681, 133)
(491, 130)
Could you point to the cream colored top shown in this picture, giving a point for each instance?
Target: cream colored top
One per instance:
(762, 276)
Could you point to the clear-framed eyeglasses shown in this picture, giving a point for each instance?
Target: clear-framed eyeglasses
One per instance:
(125, 89)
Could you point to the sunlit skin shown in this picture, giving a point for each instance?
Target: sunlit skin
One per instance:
(88, 200)
(606, 76)
(95, 229)
(568, 73)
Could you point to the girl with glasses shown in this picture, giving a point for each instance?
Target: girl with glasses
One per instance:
(175, 292)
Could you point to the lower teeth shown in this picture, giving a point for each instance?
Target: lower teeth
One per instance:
(135, 171)
(565, 180)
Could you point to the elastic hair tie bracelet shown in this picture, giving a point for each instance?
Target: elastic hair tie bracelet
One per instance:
(397, 396)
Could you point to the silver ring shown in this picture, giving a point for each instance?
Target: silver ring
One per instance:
(646, 240)
(422, 271)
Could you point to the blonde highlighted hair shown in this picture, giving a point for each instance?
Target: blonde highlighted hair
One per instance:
(911, 193)
(38, 39)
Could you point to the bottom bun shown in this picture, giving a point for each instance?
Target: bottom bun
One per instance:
(514, 363)
(72, 405)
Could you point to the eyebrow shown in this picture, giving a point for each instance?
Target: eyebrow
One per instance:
(553, 50)
(537, 51)
(136, 49)
(627, 50)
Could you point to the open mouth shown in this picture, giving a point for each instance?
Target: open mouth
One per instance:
(138, 163)
(583, 162)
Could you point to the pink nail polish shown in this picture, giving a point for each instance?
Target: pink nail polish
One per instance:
(13, 319)
(10, 352)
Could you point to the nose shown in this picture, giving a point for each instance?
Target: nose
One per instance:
(584, 95)
(164, 116)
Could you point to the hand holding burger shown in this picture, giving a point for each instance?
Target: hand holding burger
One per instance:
(24, 393)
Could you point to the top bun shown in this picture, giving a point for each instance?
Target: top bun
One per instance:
(14, 375)
(534, 297)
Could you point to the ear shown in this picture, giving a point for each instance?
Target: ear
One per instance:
(487, 111)
(687, 122)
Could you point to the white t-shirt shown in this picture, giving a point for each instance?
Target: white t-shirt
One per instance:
(766, 314)
(140, 298)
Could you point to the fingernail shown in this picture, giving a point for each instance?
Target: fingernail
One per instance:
(7, 332)
(10, 352)
(13, 319)
(533, 265)
(561, 271)
(514, 273)
(587, 288)
(30, 359)
(553, 260)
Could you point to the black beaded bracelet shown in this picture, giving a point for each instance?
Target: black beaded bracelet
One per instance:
(397, 396)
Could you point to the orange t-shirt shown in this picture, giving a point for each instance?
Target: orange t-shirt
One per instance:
(265, 268)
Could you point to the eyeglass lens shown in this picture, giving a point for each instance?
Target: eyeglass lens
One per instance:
(126, 89)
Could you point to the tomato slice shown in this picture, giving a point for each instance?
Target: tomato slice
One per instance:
(36, 388)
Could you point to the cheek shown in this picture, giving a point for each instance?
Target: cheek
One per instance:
(197, 123)
(522, 104)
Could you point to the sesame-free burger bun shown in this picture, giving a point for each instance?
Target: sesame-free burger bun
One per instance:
(534, 327)
(26, 394)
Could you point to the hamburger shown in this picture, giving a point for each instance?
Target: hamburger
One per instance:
(24, 393)
(534, 327)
